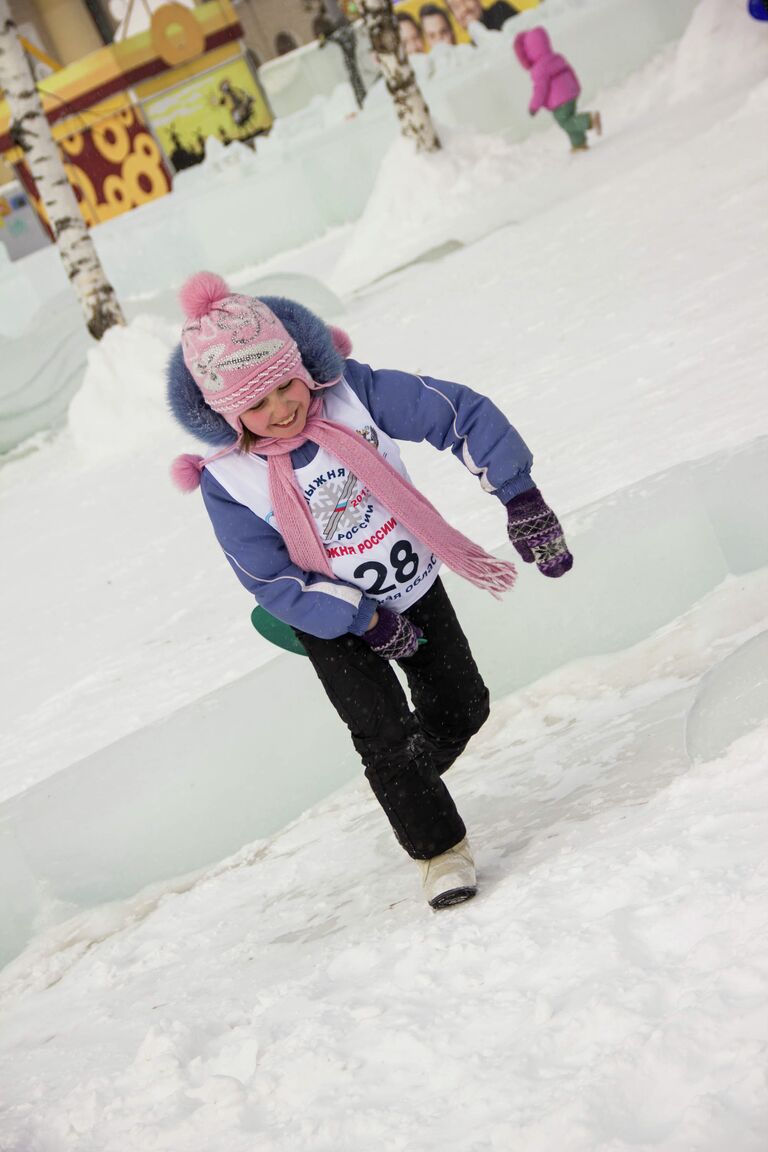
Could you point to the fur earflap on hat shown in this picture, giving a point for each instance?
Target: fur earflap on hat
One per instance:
(322, 349)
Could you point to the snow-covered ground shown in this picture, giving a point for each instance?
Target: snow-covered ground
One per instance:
(607, 989)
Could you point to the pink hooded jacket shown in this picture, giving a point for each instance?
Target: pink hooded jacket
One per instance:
(554, 81)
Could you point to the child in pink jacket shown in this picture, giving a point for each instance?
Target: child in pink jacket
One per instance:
(555, 86)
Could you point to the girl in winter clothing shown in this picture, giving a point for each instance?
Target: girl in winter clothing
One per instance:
(315, 513)
(555, 86)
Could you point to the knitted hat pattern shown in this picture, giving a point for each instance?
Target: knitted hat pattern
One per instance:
(236, 349)
(206, 398)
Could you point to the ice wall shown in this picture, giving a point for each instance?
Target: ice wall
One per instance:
(293, 81)
(195, 787)
(731, 701)
(40, 376)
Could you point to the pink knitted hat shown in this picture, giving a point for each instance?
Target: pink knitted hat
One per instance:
(235, 347)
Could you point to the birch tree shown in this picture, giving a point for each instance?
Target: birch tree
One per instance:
(412, 111)
(31, 132)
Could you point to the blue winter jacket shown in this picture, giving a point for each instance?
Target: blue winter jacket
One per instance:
(406, 408)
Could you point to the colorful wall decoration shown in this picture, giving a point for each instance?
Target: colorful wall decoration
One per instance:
(113, 165)
(112, 147)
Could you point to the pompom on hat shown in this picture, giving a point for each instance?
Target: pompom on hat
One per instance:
(234, 350)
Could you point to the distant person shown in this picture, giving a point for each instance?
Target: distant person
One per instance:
(436, 25)
(493, 17)
(555, 86)
(316, 514)
(411, 34)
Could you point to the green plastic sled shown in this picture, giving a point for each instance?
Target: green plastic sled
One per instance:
(276, 631)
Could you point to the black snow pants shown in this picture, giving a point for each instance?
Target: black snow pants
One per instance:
(405, 752)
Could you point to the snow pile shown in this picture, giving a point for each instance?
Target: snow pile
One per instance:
(423, 201)
(121, 407)
(721, 47)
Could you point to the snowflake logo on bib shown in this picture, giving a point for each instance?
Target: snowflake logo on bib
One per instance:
(337, 507)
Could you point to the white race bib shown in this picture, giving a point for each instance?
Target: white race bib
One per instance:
(364, 543)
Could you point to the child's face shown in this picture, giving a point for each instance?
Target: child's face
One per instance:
(282, 413)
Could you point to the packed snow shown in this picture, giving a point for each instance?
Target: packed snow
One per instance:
(607, 989)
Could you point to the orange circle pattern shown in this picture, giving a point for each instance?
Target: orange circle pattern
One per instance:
(85, 192)
(115, 193)
(143, 173)
(176, 35)
(118, 167)
(112, 140)
(73, 145)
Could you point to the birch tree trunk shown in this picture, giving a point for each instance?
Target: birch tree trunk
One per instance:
(31, 131)
(413, 113)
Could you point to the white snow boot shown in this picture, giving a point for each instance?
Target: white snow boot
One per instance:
(450, 877)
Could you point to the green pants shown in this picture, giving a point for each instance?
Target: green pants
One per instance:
(573, 122)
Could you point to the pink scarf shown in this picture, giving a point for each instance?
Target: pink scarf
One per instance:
(300, 532)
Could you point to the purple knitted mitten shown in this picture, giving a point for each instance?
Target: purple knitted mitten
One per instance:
(537, 535)
(393, 637)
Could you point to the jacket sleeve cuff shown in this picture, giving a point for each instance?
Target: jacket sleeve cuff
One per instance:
(364, 616)
(520, 483)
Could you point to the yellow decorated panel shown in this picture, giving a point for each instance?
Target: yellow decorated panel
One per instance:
(225, 102)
